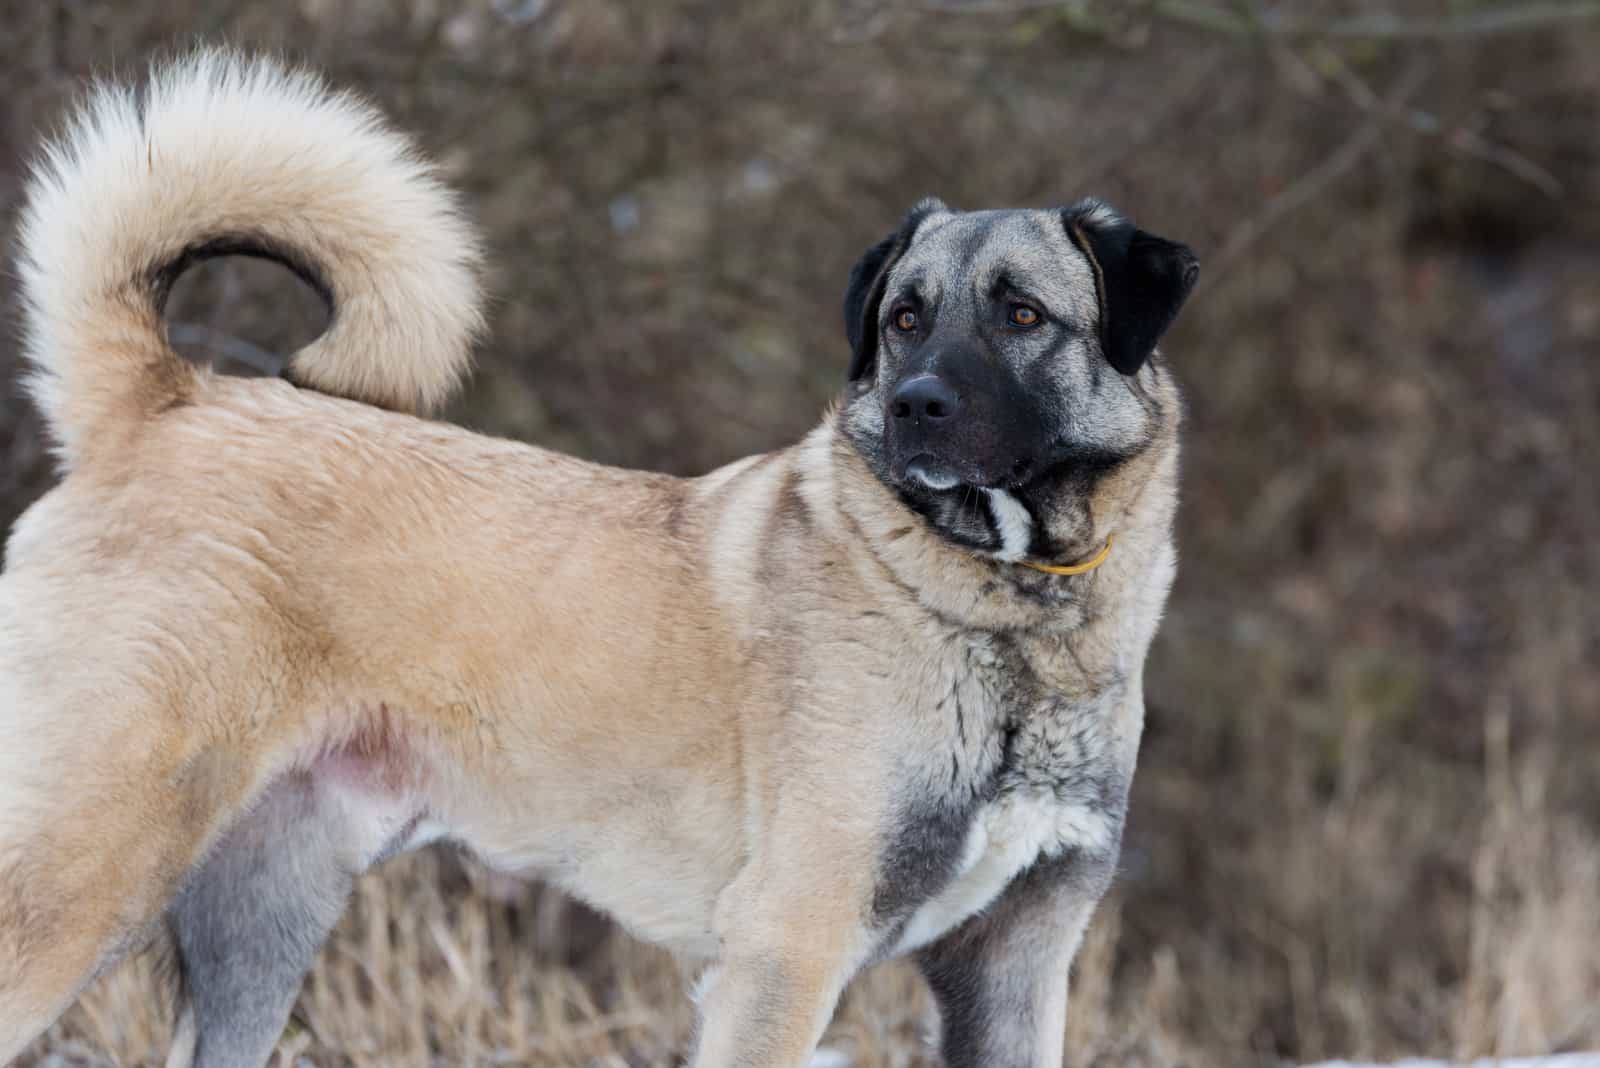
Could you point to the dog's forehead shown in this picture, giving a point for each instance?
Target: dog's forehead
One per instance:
(970, 252)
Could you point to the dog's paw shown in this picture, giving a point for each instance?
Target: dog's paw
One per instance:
(829, 1058)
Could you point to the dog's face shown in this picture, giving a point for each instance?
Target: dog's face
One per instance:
(1000, 360)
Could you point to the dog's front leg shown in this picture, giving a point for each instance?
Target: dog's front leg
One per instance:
(768, 1008)
(1001, 977)
(787, 954)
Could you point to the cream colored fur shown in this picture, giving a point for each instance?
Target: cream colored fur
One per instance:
(717, 708)
(220, 147)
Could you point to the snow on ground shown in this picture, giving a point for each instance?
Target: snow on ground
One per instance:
(1569, 1060)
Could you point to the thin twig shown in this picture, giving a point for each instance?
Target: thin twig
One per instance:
(1374, 25)
(1312, 183)
(234, 348)
(1462, 138)
(1382, 25)
(1473, 143)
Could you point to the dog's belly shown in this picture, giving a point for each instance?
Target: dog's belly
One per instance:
(666, 900)
(1005, 839)
(659, 880)
(661, 887)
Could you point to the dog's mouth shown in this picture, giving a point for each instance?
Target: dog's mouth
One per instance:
(931, 473)
(997, 508)
(980, 513)
(935, 474)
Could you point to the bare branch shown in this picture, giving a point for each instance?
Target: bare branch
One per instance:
(1311, 184)
(1462, 138)
(234, 348)
(1382, 25)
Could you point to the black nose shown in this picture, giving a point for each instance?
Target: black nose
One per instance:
(924, 397)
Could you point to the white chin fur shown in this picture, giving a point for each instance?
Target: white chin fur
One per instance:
(1014, 523)
(939, 481)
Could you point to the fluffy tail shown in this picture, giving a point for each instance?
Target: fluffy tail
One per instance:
(219, 155)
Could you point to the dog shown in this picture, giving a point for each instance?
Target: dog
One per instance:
(873, 695)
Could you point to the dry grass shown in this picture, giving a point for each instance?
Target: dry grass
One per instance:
(440, 963)
(416, 976)
(1367, 817)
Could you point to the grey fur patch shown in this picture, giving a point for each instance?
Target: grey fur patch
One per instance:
(991, 976)
(248, 923)
(923, 853)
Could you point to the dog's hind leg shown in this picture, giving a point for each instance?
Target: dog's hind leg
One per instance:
(98, 821)
(249, 922)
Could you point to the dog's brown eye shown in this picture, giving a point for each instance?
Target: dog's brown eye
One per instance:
(1022, 315)
(905, 320)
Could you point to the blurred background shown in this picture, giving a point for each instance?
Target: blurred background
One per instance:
(1367, 817)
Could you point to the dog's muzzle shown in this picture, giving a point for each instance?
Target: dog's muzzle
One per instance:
(943, 432)
(922, 412)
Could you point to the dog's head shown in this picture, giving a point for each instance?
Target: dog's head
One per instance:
(1002, 358)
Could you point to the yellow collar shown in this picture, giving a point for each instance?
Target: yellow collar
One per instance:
(1075, 569)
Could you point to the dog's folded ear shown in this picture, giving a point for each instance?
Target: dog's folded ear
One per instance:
(867, 280)
(1142, 280)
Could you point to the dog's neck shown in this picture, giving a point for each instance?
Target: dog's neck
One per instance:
(973, 591)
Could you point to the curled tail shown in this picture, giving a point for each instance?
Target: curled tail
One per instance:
(219, 155)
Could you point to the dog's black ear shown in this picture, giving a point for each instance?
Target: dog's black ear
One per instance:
(1142, 280)
(867, 279)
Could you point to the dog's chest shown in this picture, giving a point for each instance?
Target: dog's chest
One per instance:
(1054, 785)
(1007, 837)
